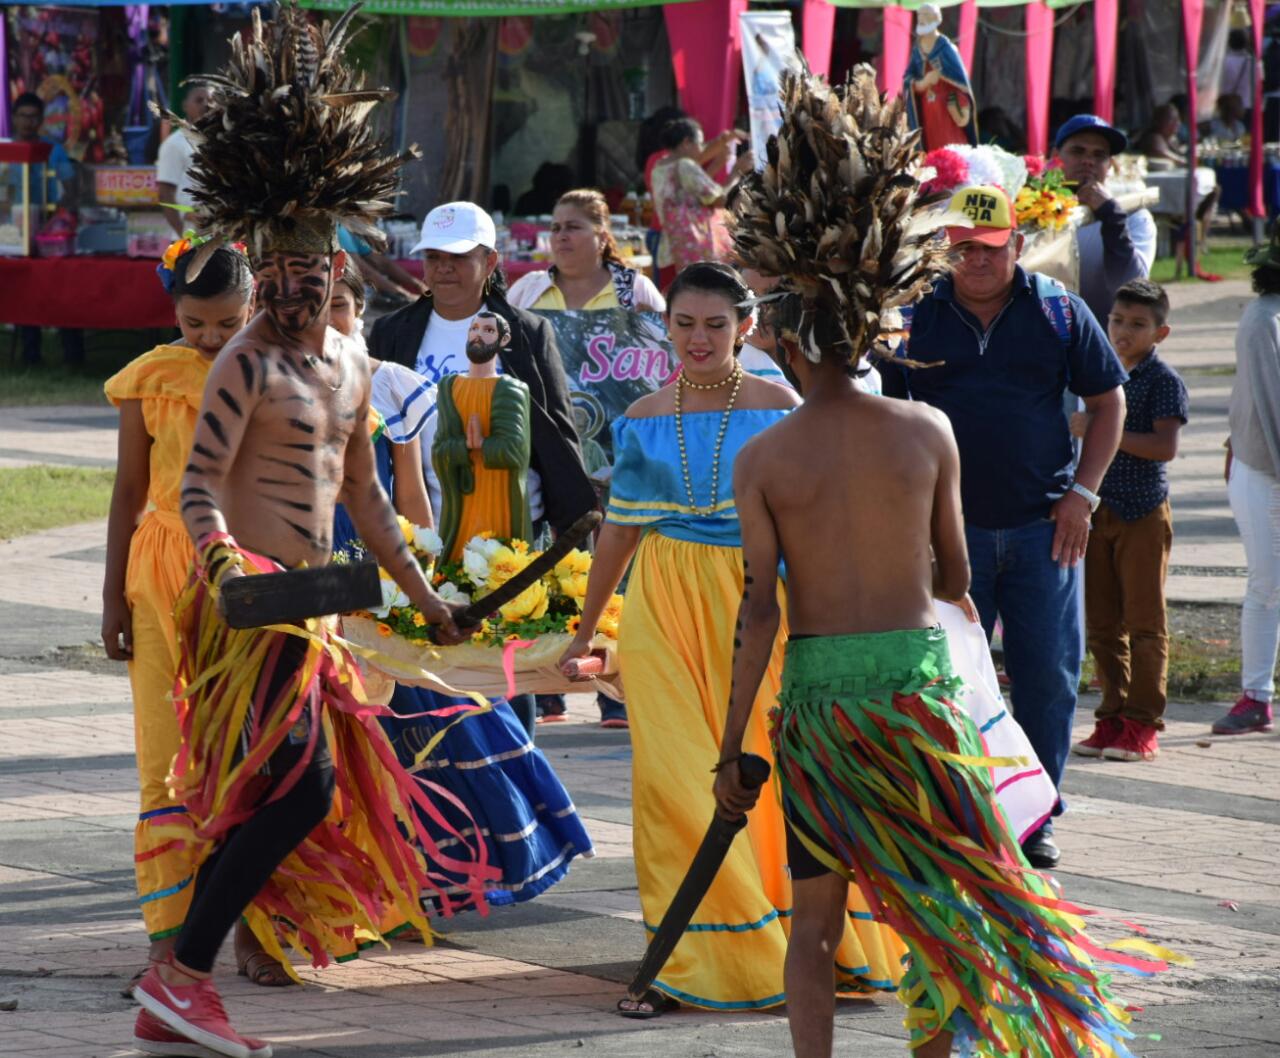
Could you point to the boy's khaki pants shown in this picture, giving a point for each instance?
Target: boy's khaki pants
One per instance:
(1127, 631)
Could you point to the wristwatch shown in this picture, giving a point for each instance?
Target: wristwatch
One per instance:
(1091, 498)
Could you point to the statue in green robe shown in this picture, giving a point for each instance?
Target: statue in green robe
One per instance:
(482, 445)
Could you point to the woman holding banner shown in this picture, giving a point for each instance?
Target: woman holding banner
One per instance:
(587, 273)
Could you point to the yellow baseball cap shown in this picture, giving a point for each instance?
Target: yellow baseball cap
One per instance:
(989, 210)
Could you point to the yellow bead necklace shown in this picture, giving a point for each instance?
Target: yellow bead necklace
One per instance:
(735, 376)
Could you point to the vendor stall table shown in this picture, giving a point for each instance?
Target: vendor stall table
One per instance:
(101, 292)
(1234, 181)
(97, 292)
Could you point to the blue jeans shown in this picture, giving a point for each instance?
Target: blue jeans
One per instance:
(1038, 602)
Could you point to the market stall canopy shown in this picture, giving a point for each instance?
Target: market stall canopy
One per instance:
(482, 8)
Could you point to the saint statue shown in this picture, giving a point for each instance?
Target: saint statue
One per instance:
(482, 444)
(936, 87)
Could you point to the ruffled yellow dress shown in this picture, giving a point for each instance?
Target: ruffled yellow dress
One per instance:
(676, 654)
(169, 383)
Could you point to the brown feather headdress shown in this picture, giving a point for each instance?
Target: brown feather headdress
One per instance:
(837, 212)
(286, 151)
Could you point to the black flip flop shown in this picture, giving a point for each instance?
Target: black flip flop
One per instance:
(657, 1002)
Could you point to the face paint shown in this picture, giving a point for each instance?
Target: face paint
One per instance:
(294, 288)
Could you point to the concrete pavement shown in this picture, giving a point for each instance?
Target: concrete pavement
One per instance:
(1185, 847)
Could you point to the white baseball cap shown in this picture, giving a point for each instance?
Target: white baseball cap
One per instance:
(457, 227)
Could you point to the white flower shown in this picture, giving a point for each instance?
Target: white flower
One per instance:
(390, 592)
(476, 556)
(401, 600)
(427, 540)
(450, 592)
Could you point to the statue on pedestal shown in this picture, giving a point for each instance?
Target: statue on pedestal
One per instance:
(482, 445)
(936, 87)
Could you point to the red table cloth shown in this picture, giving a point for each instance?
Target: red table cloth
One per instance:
(105, 293)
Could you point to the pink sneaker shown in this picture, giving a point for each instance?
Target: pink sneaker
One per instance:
(194, 1011)
(1136, 742)
(1105, 732)
(1248, 714)
(153, 1036)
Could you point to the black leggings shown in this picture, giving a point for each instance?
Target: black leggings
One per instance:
(238, 869)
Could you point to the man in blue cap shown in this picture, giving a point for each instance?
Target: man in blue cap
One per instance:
(1117, 246)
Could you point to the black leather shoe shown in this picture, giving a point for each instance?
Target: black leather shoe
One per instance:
(1041, 852)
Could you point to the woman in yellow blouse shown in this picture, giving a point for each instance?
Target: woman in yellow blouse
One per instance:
(587, 270)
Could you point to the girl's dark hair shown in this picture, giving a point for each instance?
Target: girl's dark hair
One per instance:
(1266, 279)
(354, 282)
(225, 272)
(676, 132)
(649, 138)
(712, 277)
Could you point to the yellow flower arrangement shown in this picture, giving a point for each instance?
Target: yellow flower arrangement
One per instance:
(504, 564)
(530, 605)
(419, 621)
(571, 574)
(611, 618)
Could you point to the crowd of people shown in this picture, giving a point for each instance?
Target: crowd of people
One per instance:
(1023, 482)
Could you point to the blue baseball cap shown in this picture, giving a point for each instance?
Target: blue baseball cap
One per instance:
(1092, 123)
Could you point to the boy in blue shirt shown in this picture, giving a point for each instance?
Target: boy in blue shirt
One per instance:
(1128, 552)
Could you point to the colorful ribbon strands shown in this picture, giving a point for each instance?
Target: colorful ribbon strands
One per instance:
(882, 767)
(361, 874)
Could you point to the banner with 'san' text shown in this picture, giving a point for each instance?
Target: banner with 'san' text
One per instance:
(612, 358)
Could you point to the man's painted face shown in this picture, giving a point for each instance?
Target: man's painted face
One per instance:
(484, 340)
(294, 288)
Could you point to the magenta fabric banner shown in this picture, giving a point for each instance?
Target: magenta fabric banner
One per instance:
(817, 34)
(1257, 200)
(967, 38)
(1106, 20)
(895, 50)
(1039, 74)
(706, 55)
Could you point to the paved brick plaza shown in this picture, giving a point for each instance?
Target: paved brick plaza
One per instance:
(1188, 847)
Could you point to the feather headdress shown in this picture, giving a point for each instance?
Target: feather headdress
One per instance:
(837, 212)
(286, 151)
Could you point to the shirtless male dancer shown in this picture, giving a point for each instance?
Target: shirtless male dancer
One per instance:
(281, 437)
(882, 775)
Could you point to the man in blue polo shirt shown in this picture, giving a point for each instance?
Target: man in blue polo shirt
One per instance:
(1006, 345)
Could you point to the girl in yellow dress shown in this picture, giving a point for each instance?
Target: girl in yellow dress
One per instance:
(148, 553)
(672, 509)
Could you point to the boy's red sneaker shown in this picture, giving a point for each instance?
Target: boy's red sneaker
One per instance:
(153, 1036)
(1136, 742)
(1105, 732)
(193, 1010)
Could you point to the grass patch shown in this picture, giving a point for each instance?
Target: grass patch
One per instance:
(1226, 261)
(54, 382)
(40, 497)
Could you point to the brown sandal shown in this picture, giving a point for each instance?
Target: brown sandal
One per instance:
(263, 970)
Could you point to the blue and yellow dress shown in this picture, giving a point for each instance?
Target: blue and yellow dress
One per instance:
(676, 654)
(504, 786)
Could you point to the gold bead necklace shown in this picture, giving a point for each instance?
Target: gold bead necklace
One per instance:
(735, 377)
(712, 385)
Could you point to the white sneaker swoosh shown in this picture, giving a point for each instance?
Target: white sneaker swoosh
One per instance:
(181, 1004)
